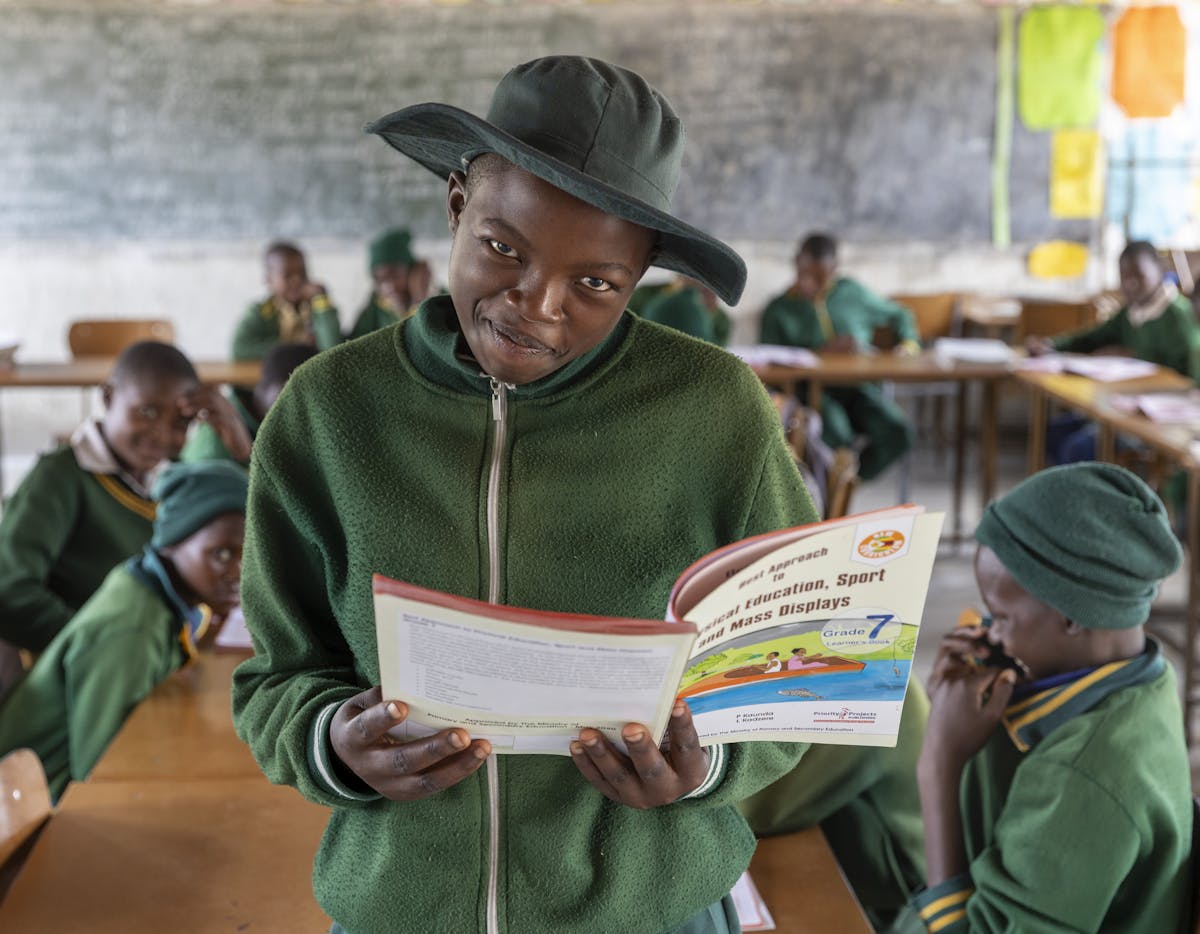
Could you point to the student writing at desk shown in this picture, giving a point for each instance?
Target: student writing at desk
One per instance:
(1156, 324)
(836, 314)
(620, 452)
(137, 628)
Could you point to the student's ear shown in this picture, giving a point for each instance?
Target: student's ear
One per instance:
(1072, 628)
(456, 199)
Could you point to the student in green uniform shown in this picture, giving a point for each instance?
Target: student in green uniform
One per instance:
(298, 310)
(1155, 324)
(691, 307)
(1060, 801)
(865, 800)
(521, 440)
(205, 442)
(836, 314)
(137, 628)
(86, 507)
(643, 295)
(401, 283)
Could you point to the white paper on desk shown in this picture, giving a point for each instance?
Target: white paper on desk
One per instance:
(1108, 369)
(1170, 408)
(751, 909)
(233, 633)
(973, 350)
(781, 355)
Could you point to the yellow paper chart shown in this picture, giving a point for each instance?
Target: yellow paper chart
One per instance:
(1076, 174)
(1058, 259)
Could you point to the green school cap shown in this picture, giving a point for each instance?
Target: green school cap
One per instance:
(1091, 540)
(191, 495)
(393, 248)
(596, 131)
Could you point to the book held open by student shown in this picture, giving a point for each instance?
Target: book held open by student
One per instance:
(804, 635)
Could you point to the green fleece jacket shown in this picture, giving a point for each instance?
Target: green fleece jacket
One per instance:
(1171, 340)
(204, 444)
(258, 331)
(618, 471)
(865, 798)
(61, 533)
(683, 310)
(848, 308)
(1077, 814)
(127, 638)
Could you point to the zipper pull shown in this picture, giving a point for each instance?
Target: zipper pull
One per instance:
(497, 398)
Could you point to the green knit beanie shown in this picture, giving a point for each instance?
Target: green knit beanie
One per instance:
(1091, 540)
(190, 495)
(393, 248)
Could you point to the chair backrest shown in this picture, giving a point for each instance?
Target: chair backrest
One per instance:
(98, 337)
(841, 483)
(936, 314)
(1050, 318)
(24, 800)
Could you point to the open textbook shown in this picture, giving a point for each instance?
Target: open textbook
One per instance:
(805, 634)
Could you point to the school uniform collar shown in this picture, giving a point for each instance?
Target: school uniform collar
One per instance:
(436, 348)
(1153, 307)
(93, 454)
(1047, 704)
(148, 568)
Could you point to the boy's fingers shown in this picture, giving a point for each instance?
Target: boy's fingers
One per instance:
(611, 765)
(447, 772)
(367, 722)
(1001, 691)
(688, 757)
(411, 757)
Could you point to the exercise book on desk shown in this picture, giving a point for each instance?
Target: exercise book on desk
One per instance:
(1100, 369)
(777, 354)
(233, 634)
(751, 909)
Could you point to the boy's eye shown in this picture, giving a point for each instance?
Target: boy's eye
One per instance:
(596, 284)
(222, 555)
(502, 248)
(148, 411)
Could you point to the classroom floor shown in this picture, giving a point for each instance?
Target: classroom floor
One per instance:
(952, 587)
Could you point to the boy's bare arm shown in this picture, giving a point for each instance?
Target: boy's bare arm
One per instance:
(402, 771)
(648, 777)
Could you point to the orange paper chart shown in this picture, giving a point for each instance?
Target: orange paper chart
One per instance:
(1148, 50)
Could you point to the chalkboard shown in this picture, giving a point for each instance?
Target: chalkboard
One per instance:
(218, 122)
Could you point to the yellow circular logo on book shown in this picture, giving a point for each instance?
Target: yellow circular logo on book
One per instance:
(881, 544)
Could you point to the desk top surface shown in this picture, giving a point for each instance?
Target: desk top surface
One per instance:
(924, 367)
(803, 887)
(92, 371)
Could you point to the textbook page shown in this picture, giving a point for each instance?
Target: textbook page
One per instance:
(525, 680)
(814, 641)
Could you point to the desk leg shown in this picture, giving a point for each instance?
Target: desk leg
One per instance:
(1038, 404)
(814, 395)
(960, 456)
(989, 447)
(1193, 595)
(1106, 444)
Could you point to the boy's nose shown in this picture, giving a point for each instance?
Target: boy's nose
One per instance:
(538, 300)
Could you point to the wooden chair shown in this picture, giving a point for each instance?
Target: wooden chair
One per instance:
(1050, 318)
(108, 337)
(937, 315)
(24, 808)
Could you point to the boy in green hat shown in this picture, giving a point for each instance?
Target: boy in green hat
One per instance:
(691, 307)
(137, 628)
(836, 314)
(298, 310)
(1059, 799)
(86, 507)
(205, 442)
(401, 283)
(525, 441)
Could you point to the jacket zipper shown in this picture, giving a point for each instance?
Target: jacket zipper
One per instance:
(499, 430)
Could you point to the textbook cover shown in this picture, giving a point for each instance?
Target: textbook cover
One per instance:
(803, 635)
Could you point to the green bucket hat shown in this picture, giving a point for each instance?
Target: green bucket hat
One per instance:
(596, 131)
(191, 494)
(393, 248)
(1090, 540)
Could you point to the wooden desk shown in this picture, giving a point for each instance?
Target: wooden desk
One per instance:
(183, 730)
(202, 856)
(850, 369)
(1173, 442)
(803, 887)
(92, 371)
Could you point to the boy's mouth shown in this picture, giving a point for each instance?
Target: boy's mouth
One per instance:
(513, 339)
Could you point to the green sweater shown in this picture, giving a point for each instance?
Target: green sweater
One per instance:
(865, 798)
(258, 331)
(1171, 340)
(682, 310)
(127, 638)
(1089, 828)
(619, 470)
(204, 444)
(62, 532)
(374, 317)
(852, 309)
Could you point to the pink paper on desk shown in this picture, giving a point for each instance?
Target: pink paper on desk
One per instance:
(1171, 408)
(1101, 369)
(751, 909)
